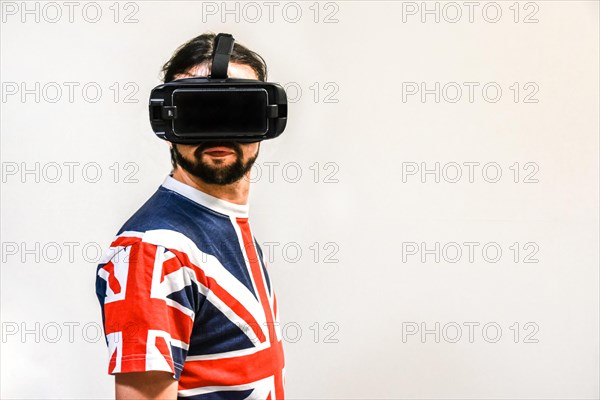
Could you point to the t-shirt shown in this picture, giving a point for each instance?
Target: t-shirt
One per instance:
(184, 288)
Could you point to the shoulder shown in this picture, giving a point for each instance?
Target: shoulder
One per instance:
(157, 211)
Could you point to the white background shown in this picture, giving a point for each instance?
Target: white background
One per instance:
(360, 206)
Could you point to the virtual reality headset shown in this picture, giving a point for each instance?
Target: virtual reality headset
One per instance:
(194, 110)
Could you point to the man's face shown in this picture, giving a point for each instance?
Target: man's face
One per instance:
(221, 162)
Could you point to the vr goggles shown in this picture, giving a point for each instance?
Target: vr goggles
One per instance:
(194, 110)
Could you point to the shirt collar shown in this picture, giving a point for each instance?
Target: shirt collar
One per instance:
(206, 200)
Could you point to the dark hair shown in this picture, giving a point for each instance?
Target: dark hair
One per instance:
(199, 50)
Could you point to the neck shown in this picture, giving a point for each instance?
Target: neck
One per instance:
(236, 192)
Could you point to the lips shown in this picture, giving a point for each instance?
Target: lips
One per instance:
(219, 151)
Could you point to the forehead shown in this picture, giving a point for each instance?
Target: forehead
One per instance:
(234, 70)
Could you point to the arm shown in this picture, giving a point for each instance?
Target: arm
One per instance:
(145, 385)
(147, 336)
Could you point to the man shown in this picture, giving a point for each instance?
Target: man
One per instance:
(187, 304)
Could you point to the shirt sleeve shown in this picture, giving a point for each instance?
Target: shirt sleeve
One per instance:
(148, 300)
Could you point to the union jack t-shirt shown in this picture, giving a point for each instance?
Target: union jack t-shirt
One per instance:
(184, 289)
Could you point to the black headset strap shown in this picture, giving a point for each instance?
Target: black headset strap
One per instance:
(223, 48)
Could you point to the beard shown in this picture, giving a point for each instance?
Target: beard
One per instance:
(215, 173)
